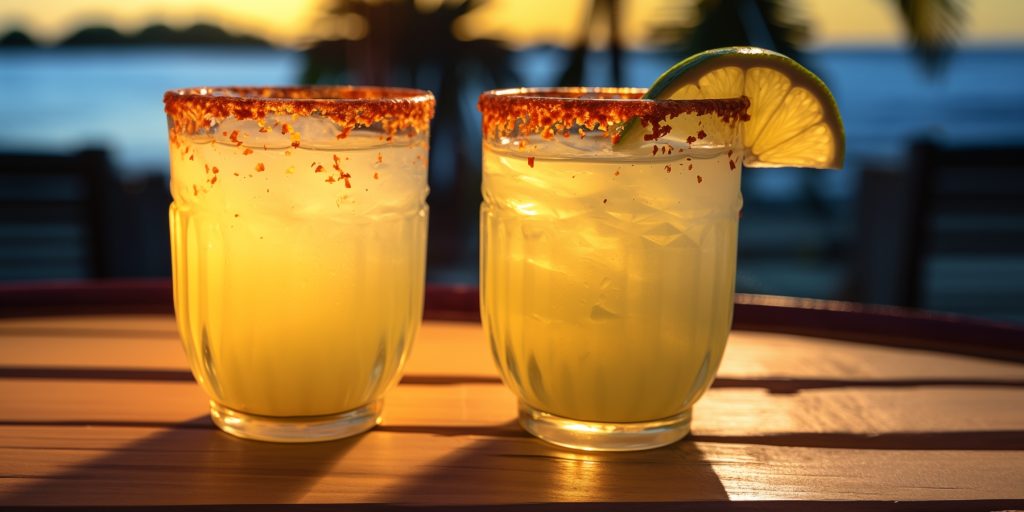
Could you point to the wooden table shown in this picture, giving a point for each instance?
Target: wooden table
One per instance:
(100, 410)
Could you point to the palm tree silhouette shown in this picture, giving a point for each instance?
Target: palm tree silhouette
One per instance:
(933, 27)
(412, 47)
(409, 46)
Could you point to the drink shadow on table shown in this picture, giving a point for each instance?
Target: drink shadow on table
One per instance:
(190, 463)
(510, 466)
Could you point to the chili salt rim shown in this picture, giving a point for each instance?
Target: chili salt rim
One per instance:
(396, 109)
(554, 110)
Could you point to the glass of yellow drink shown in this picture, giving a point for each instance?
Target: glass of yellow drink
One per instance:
(298, 238)
(608, 258)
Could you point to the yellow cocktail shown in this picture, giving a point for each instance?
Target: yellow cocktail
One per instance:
(298, 235)
(607, 265)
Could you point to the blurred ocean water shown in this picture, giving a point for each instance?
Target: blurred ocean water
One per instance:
(66, 99)
(59, 101)
(55, 100)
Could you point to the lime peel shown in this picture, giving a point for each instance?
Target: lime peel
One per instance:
(794, 120)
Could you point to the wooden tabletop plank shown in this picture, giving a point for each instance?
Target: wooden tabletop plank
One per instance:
(150, 466)
(102, 411)
(722, 412)
(458, 348)
(758, 354)
(151, 342)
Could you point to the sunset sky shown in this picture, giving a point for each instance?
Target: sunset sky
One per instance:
(293, 23)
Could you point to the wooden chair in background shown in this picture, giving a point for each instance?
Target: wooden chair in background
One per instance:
(72, 217)
(947, 234)
(52, 216)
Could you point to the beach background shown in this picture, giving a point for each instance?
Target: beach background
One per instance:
(801, 229)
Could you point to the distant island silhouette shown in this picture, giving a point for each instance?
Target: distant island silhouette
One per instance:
(201, 34)
(16, 38)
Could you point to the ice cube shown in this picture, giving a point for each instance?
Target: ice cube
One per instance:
(534, 230)
(665, 234)
(629, 211)
(600, 313)
(576, 146)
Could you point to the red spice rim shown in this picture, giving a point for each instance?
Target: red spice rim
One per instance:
(600, 97)
(548, 110)
(397, 107)
(326, 94)
(570, 92)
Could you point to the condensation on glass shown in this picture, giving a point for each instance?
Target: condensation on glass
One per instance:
(608, 258)
(298, 235)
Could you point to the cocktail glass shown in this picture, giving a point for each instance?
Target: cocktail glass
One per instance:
(608, 258)
(298, 235)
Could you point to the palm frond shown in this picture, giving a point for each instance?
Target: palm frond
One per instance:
(772, 24)
(934, 27)
(600, 11)
(411, 47)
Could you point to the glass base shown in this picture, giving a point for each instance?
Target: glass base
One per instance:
(608, 437)
(302, 429)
